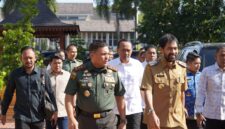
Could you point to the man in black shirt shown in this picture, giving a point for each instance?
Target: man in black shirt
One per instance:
(26, 80)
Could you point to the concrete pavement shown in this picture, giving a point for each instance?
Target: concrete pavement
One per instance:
(9, 125)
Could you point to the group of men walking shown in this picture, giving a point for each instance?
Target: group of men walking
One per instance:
(103, 94)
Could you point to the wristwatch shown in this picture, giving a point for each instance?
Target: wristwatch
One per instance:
(123, 120)
(149, 111)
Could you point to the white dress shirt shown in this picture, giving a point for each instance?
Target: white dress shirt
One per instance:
(59, 83)
(131, 76)
(210, 99)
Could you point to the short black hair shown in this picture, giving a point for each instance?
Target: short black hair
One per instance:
(26, 48)
(69, 46)
(56, 56)
(150, 46)
(192, 56)
(167, 38)
(218, 48)
(120, 41)
(96, 45)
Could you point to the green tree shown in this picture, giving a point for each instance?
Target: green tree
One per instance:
(10, 5)
(16, 36)
(189, 20)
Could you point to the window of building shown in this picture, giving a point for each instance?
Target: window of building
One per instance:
(104, 37)
(89, 37)
(111, 39)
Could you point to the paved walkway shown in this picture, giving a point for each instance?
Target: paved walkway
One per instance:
(9, 125)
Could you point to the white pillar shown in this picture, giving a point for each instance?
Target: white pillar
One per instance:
(128, 37)
(91, 39)
(67, 40)
(96, 38)
(86, 37)
(107, 38)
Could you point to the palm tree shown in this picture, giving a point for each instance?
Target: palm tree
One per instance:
(122, 8)
(10, 5)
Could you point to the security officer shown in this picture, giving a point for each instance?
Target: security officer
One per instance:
(98, 90)
(71, 61)
(25, 81)
(164, 84)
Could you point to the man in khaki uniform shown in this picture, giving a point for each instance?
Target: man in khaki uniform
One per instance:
(70, 62)
(164, 84)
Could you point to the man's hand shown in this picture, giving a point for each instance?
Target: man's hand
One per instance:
(54, 118)
(153, 121)
(72, 124)
(122, 126)
(186, 112)
(3, 119)
(200, 119)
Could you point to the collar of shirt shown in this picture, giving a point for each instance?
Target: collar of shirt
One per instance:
(52, 73)
(190, 73)
(35, 70)
(118, 61)
(218, 68)
(166, 64)
(91, 67)
(72, 61)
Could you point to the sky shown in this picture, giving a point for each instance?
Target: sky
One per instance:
(72, 1)
(66, 1)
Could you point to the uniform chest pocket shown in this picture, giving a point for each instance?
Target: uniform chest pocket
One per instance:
(109, 88)
(161, 81)
(160, 78)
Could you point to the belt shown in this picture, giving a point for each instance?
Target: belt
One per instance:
(96, 115)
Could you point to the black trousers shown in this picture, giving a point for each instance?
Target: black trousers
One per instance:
(143, 125)
(133, 121)
(191, 124)
(19, 124)
(108, 122)
(214, 124)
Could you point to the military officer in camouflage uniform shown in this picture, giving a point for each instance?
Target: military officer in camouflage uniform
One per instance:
(164, 84)
(70, 62)
(98, 90)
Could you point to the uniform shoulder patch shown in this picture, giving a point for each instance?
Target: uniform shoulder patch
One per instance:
(112, 68)
(79, 68)
(182, 64)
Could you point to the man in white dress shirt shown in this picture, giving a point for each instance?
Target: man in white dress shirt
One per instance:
(150, 55)
(210, 100)
(59, 79)
(130, 72)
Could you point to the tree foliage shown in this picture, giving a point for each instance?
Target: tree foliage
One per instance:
(189, 20)
(10, 5)
(125, 8)
(16, 36)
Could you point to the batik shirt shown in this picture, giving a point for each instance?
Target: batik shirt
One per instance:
(190, 93)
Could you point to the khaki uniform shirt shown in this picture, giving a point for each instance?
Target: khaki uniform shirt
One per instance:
(96, 88)
(68, 65)
(167, 85)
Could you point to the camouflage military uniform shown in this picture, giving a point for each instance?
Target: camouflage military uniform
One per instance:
(96, 90)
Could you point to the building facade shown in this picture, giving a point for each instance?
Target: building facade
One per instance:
(93, 27)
